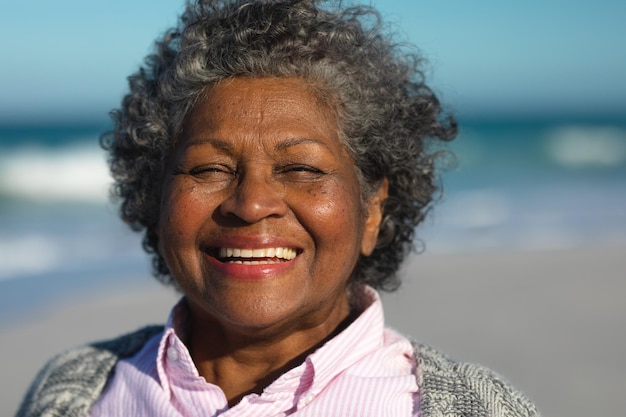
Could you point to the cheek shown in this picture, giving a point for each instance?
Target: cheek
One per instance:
(180, 213)
(181, 220)
(334, 211)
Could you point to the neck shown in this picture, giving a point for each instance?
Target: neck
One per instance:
(247, 362)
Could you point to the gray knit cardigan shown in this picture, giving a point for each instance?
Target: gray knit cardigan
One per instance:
(70, 384)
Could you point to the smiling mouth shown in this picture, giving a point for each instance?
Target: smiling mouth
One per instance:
(256, 256)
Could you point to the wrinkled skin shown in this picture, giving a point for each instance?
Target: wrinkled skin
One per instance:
(260, 165)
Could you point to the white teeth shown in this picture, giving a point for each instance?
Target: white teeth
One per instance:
(269, 261)
(282, 253)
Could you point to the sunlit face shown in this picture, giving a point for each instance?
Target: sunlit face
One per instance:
(262, 220)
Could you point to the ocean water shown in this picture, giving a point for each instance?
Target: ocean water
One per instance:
(512, 185)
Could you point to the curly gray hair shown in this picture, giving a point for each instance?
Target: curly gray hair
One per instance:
(388, 117)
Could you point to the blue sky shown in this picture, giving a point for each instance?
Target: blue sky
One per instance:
(68, 59)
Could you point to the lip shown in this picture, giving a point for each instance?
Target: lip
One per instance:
(258, 254)
(243, 272)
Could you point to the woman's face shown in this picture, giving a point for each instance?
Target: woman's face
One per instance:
(261, 217)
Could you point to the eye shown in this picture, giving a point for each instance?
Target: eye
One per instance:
(207, 169)
(300, 172)
(302, 168)
(212, 172)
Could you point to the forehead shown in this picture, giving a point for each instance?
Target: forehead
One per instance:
(263, 103)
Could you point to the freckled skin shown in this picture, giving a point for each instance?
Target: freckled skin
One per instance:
(260, 159)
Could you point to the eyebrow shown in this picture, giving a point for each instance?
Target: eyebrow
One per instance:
(216, 143)
(286, 144)
(283, 145)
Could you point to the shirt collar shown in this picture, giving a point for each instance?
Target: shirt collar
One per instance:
(300, 384)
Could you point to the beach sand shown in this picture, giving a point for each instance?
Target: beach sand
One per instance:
(552, 322)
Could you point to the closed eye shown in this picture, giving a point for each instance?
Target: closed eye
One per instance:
(300, 172)
(300, 168)
(209, 169)
(210, 173)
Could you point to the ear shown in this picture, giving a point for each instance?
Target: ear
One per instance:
(374, 218)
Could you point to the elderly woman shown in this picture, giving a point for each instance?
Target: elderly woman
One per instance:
(278, 156)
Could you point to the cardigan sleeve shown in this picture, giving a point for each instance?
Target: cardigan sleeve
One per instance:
(452, 388)
(70, 383)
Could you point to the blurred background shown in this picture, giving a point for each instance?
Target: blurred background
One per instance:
(524, 266)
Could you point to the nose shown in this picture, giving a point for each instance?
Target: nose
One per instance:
(255, 197)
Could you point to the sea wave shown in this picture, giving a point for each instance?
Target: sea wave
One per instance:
(76, 172)
(534, 217)
(18, 259)
(59, 243)
(587, 146)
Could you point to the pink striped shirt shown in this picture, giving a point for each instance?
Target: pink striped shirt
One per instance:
(366, 370)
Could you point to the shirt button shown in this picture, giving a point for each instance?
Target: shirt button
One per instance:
(308, 398)
(172, 354)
